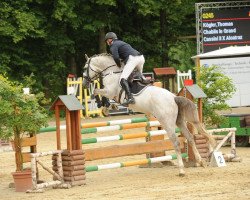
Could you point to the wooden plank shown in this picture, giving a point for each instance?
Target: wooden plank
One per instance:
(26, 157)
(73, 129)
(60, 103)
(157, 138)
(200, 109)
(78, 129)
(68, 130)
(201, 141)
(81, 182)
(32, 148)
(58, 134)
(70, 158)
(29, 141)
(72, 153)
(74, 178)
(203, 150)
(199, 136)
(202, 146)
(71, 163)
(74, 173)
(70, 168)
(128, 150)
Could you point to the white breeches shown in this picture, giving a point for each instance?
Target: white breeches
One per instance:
(132, 63)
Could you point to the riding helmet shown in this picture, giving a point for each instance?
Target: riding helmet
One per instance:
(110, 35)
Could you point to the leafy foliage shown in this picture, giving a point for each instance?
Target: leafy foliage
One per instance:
(19, 113)
(49, 38)
(181, 53)
(218, 88)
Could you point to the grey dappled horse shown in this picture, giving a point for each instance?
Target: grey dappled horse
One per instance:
(170, 110)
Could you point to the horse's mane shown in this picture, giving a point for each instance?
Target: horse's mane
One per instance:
(103, 58)
(102, 54)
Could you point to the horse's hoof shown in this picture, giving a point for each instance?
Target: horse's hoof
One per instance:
(105, 111)
(114, 107)
(203, 163)
(197, 165)
(181, 174)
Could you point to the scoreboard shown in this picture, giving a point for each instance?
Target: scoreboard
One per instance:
(222, 28)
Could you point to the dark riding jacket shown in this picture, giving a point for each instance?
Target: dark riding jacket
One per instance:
(122, 50)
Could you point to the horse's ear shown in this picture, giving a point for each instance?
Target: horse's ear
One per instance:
(86, 56)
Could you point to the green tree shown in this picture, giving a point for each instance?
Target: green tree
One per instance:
(49, 38)
(219, 88)
(20, 114)
(155, 27)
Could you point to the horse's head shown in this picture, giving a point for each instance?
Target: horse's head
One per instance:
(90, 72)
(97, 66)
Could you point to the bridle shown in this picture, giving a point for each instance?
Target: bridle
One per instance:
(97, 74)
(87, 77)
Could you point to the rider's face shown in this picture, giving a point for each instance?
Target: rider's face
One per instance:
(109, 41)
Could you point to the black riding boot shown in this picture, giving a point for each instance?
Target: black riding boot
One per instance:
(125, 86)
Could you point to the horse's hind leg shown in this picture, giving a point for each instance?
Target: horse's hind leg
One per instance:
(202, 131)
(190, 138)
(188, 111)
(172, 136)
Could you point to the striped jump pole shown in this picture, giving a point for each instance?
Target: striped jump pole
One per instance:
(115, 122)
(123, 137)
(119, 127)
(98, 124)
(51, 128)
(133, 163)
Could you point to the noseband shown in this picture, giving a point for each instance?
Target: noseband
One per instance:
(87, 77)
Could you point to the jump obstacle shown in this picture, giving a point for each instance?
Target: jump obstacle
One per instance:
(74, 160)
(63, 181)
(73, 164)
(122, 125)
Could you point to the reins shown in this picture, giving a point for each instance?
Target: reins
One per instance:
(104, 75)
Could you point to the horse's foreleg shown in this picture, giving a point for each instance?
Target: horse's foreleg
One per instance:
(102, 92)
(105, 101)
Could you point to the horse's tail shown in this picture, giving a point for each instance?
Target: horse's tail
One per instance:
(187, 111)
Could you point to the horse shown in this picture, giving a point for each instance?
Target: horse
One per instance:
(170, 110)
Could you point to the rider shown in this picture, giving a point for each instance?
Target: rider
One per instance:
(132, 59)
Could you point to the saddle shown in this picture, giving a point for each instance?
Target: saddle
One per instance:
(137, 82)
